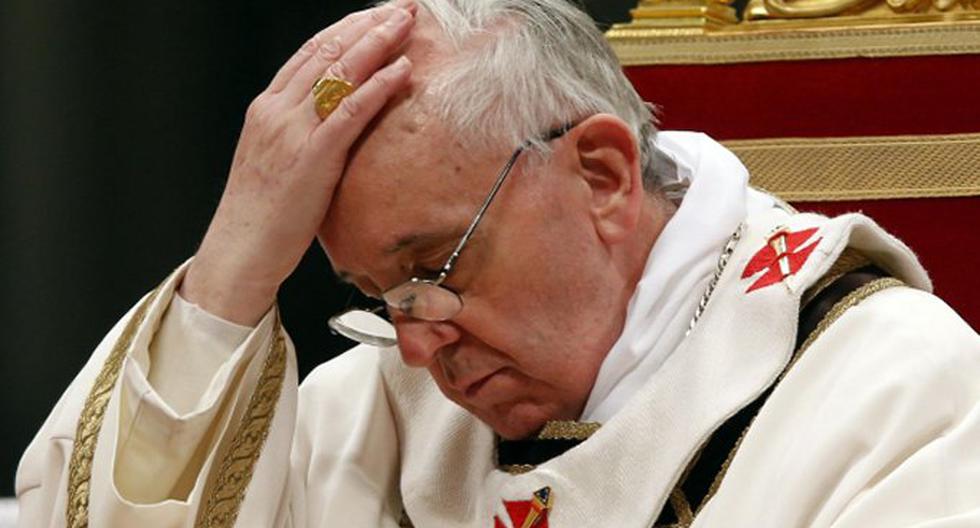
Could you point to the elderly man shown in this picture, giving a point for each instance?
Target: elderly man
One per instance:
(589, 323)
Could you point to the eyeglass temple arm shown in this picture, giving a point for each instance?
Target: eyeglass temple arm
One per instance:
(501, 176)
(479, 214)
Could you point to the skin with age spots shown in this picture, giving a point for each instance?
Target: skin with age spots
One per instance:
(547, 277)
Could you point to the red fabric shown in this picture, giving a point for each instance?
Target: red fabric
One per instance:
(817, 98)
(518, 512)
(847, 97)
(942, 232)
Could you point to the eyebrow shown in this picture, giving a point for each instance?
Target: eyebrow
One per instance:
(421, 239)
(406, 242)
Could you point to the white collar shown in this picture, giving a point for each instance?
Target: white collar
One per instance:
(678, 268)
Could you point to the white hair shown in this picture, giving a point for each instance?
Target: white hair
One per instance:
(522, 67)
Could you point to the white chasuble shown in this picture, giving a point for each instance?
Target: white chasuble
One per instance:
(877, 424)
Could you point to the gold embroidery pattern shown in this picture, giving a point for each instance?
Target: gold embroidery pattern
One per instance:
(555, 430)
(681, 507)
(567, 430)
(864, 167)
(238, 464)
(640, 47)
(848, 261)
(848, 302)
(517, 469)
(90, 420)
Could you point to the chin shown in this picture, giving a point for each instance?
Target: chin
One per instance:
(517, 421)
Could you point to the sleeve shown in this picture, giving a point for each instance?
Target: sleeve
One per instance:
(196, 409)
(345, 453)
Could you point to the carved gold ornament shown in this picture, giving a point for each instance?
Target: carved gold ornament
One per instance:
(779, 23)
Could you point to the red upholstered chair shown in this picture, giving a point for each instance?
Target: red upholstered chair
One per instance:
(868, 108)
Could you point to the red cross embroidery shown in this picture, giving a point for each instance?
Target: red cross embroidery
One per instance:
(780, 258)
(528, 514)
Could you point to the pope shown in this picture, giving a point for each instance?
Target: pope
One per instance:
(579, 320)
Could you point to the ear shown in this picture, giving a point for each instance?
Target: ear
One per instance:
(607, 160)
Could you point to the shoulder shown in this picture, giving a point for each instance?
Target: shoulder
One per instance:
(897, 341)
(879, 409)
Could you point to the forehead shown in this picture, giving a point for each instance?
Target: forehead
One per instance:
(408, 173)
(407, 176)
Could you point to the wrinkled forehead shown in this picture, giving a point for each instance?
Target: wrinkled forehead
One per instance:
(407, 176)
(408, 173)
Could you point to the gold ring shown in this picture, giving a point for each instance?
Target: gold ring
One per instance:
(328, 92)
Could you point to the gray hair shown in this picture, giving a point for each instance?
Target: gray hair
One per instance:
(525, 65)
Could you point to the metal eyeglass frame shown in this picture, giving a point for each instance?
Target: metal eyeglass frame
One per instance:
(405, 303)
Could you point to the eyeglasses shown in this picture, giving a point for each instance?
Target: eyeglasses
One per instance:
(424, 299)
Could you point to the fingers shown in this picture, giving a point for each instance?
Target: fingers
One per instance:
(350, 119)
(356, 63)
(331, 41)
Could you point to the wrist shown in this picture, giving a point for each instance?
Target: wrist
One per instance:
(226, 293)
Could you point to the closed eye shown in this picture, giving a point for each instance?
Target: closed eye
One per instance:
(426, 272)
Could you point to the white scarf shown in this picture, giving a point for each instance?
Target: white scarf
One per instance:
(679, 267)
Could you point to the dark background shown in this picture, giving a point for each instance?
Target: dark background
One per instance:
(118, 120)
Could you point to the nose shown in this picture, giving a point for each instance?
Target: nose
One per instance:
(420, 341)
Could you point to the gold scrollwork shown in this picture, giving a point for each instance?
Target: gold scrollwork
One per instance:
(90, 420)
(226, 492)
(786, 9)
(812, 8)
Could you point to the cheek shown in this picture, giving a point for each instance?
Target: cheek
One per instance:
(534, 297)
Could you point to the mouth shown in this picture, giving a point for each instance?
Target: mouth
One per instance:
(473, 388)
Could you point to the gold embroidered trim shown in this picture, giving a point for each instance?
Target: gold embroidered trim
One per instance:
(865, 167)
(517, 469)
(681, 507)
(555, 430)
(567, 430)
(90, 420)
(851, 300)
(716, 483)
(848, 261)
(764, 41)
(225, 499)
(238, 464)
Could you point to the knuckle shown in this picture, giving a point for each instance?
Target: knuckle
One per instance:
(312, 45)
(349, 107)
(350, 19)
(257, 106)
(384, 80)
(331, 50)
(339, 70)
(379, 15)
(378, 37)
(256, 112)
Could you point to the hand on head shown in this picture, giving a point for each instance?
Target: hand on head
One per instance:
(289, 160)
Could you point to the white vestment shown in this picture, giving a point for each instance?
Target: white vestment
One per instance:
(877, 424)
